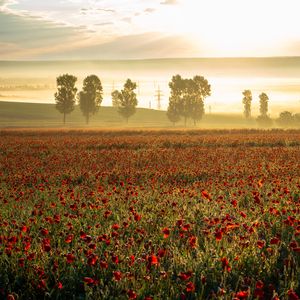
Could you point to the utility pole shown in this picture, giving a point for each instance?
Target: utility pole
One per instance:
(158, 96)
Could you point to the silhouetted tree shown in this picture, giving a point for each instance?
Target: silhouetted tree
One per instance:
(264, 119)
(90, 97)
(263, 104)
(126, 100)
(173, 113)
(188, 96)
(65, 96)
(115, 98)
(297, 119)
(287, 119)
(201, 89)
(247, 103)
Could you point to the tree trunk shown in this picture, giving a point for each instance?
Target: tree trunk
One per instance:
(185, 120)
(64, 118)
(87, 119)
(127, 120)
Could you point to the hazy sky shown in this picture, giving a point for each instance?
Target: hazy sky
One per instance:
(120, 29)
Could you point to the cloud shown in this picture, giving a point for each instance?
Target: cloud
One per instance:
(169, 2)
(20, 35)
(149, 10)
(140, 46)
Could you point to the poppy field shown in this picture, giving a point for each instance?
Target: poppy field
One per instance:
(89, 214)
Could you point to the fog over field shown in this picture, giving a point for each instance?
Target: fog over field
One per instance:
(35, 81)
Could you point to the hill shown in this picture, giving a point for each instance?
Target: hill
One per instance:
(19, 114)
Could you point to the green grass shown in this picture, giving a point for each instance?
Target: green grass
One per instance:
(18, 114)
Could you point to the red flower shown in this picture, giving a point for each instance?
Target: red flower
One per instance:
(117, 275)
(205, 195)
(115, 259)
(92, 260)
(260, 244)
(193, 241)
(115, 226)
(274, 241)
(24, 228)
(59, 285)
(132, 294)
(243, 214)
(190, 287)
(88, 280)
(225, 264)
(70, 258)
(132, 259)
(166, 232)
(292, 295)
(44, 231)
(153, 260)
(259, 284)
(242, 295)
(69, 238)
(46, 245)
(185, 275)
(218, 235)
(21, 262)
(103, 264)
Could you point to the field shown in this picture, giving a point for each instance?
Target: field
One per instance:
(18, 114)
(149, 214)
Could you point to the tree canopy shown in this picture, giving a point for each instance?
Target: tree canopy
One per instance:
(247, 103)
(187, 98)
(90, 98)
(126, 99)
(65, 97)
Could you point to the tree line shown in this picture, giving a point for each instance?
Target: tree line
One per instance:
(286, 118)
(186, 101)
(91, 96)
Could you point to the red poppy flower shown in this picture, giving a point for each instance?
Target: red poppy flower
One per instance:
(166, 232)
(70, 258)
(132, 294)
(185, 275)
(88, 280)
(69, 238)
(242, 295)
(218, 235)
(117, 275)
(190, 287)
(153, 260)
(292, 295)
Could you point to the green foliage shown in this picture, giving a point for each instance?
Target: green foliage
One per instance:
(90, 97)
(65, 96)
(173, 112)
(247, 103)
(287, 119)
(187, 98)
(263, 104)
(125, 100)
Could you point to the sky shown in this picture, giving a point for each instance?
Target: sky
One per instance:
(137, 29)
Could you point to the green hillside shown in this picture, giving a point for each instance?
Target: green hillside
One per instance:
(17, 114)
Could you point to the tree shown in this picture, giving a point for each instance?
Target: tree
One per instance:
(200, 90)
(187, 97)
(173, 113)
(263, 119)
(286, 119)
(126, 100)
(115, 98)
(65, 96)
(90, 97)
(247, 103)
(263, 104)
